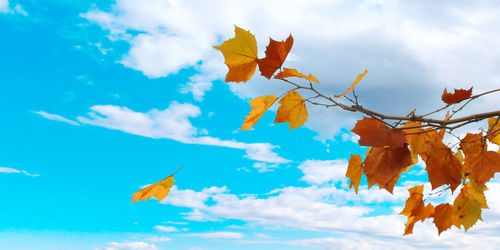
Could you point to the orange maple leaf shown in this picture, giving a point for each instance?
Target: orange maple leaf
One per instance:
(444, 217)
(292, 110)
(354, 172)
(159, 190)
(360, 76)
(375, 133)
(383, 166)
(457, 96)
(259, 106)
(276, 53)
(294, 73)
(442, 166)
(479, 163)
(415, 208)
(240, 54)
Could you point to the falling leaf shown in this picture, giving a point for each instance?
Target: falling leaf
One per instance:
(259, 106)
(294, 73)
(240, 54)
(415, 209)
(360, 76)
(159, 190)
(276, 53)
(457, 96)
(444, 217)
(292, 110)
(383, 166)
(375, 133)
(354, 172)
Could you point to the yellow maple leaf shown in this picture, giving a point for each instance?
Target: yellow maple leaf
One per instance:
(494, 129)
(354, 172)
(259, 106)
(240, 54)
(292, 110)
(159, 190)
(294, 73)
(468, 205)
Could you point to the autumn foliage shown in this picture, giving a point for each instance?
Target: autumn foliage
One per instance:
(395, 142)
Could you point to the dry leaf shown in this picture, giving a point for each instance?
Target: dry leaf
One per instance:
(259, 106)
(294, 73)
(240, 54)
(276, 53)
(292, 110)
(360, 76)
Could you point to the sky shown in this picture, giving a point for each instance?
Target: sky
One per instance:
(100, 99)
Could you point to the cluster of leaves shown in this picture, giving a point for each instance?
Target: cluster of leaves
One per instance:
(393, 147)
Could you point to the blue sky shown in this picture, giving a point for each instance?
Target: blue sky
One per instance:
(99, 99)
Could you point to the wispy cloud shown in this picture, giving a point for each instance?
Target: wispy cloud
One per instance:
(217, 235)
(17, 9)
(16, 171)
(133, 245)
(172, 123)
(166, 228)
(55, 117)
(159, 239)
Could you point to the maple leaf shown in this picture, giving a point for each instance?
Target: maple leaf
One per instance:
(292, 110)
(294, 73)
(468, 205)
(240, 54)
(444, 217)
(276, 53)
(441, 164)
(415, 209)
(360, 76)
(494, 131)
(259, 106)
(354, 172)
(383, 166)
(472, 144)
(412, 127)
(159, 190)
(375, 133)
(483, 165)
(479, 163)
(457, 96)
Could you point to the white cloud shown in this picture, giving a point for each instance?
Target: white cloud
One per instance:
(166, 228)
(15, 171)
(4, 6)
(217, 235)
(352, 219)
(172, 123)
(159, 239)
(134, 245)
(264, 167)
(18, 9)
(56, 118)
(407, 56)
(318, 172)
